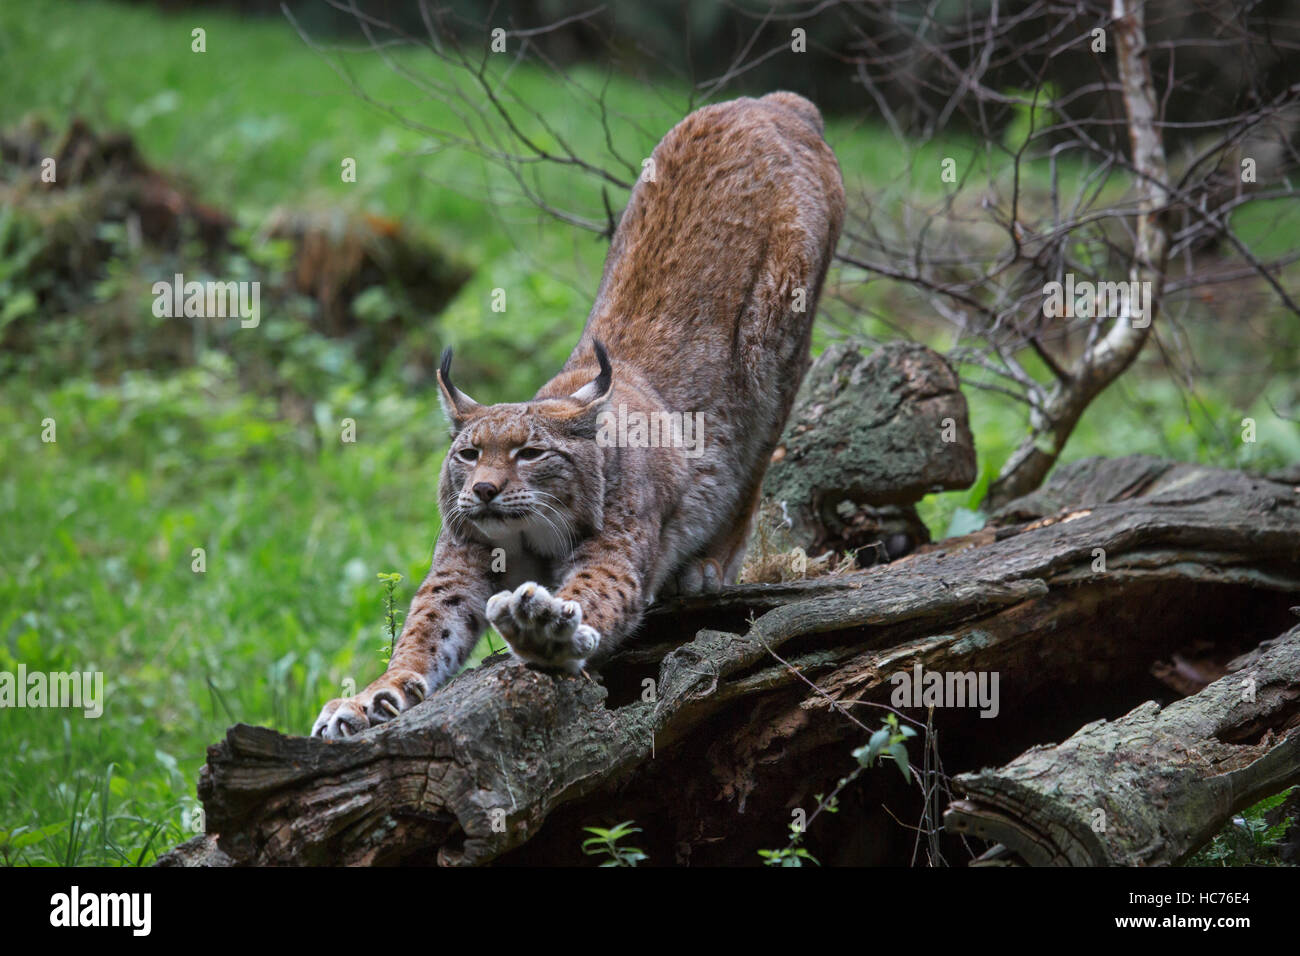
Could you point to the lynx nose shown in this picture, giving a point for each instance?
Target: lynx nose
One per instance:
(485, 490)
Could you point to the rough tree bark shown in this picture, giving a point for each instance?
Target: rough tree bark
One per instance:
(868, 438)
(507, 764)
(1152, 786)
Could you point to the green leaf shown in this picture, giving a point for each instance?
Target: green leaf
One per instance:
(879, 740)
(965, 521)
(899, 753)
(36, 836)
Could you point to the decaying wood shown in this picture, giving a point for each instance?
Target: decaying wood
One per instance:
(708, 740)
(1152, 786)
(869, 436)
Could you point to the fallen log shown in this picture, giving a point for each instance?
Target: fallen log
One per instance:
(1152, 786)
(709, 731)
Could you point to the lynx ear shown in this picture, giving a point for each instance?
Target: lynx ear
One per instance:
(456, 405)
(597, 390)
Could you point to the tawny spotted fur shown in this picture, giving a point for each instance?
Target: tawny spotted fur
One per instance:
(560, 537)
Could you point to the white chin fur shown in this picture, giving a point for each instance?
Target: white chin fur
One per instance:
(495, 527)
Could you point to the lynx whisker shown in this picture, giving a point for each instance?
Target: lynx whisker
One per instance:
(559, 525)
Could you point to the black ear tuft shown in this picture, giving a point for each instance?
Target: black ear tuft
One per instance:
(444, 368)
(606, 370)
(455, 403)
(595, 392)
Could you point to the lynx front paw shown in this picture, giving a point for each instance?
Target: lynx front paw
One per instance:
(387, 697)
(542, 629)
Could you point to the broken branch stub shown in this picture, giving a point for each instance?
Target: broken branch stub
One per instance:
(870, 436)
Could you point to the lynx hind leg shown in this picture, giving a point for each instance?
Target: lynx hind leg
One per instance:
(720, 563)
(542, 629)
(696, 576)
(728, 548)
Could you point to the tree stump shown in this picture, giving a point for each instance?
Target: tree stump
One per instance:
(869, 436)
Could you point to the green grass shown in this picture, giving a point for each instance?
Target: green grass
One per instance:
(99, 527)
(99, 577)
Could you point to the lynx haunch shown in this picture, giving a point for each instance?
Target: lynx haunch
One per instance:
(705, 308)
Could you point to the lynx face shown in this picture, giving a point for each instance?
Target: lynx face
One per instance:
(526, 474)
(523, 470)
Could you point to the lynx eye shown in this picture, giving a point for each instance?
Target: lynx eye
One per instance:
(468, 454)
(530, 454)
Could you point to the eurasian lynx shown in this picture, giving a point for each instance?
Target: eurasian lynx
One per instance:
(637, 469)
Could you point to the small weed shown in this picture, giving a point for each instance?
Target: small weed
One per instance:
(605, 842)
